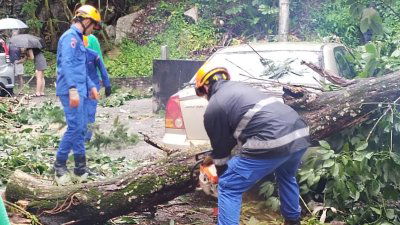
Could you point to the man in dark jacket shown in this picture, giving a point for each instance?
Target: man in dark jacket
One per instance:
(269, 136)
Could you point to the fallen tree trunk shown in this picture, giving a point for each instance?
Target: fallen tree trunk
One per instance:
(330, 112)
(142, 189)
(95, 203)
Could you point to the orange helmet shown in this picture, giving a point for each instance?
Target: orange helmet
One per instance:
(89, 12)
(204, 74)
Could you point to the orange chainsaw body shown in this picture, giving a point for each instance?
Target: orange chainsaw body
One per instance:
(208, 180)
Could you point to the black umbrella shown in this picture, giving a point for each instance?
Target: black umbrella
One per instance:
(26, 41)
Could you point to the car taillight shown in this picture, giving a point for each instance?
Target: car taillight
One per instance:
(173, 114)
(6, 50)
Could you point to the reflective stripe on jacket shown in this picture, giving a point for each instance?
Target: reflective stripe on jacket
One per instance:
(259, 125)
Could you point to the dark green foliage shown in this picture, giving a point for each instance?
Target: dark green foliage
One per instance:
(248, 17)
(360, 174)
(182, 38)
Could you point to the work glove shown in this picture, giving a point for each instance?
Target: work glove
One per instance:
(107, 91)
(73, 98)
(208, 160)
(221, 169)
(94, 94)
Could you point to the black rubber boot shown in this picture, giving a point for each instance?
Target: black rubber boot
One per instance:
(60, 167)
(80, 166)
(292, 222)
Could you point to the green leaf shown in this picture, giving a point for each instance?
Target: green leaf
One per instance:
(364, 25)
(356, 10)
(390, 214)
(328, 163)
(327, 155)
(370, 19)
(386, 171)
(395, 157)
(376, 210)
(362, 146)
(358, 157)
(267, 189)
(354, 193)
(376, 24)
(310, 180)
(252, 221)
(335, 170)
(371, 67)
(371, 48)
(305, 176)
(346, 147)
(325, 144)
(273, 203)
(369, 155)
(374, 188)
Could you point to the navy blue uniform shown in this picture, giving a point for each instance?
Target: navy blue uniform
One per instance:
(94, 64)
(72, 73)
(269, 136)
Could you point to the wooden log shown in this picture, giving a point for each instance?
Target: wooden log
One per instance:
(330, 112)
(95, 203)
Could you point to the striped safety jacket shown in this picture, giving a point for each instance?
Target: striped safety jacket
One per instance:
(259, 126)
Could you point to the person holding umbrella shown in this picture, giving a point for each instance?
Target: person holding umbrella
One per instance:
(18, 57)
(33, 45)
(73, 86)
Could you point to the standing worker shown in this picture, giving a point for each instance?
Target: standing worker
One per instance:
(91, 42)
(18, 57)
(95, 65)
(270, 136)
(98, 74)
(73, 86)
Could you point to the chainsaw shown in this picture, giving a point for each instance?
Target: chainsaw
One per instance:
(208, 178)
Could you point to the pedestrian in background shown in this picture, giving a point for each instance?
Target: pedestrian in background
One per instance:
(18, 57)
(40, 65)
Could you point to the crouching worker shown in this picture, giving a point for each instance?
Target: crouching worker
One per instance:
(95, 64)
(269, 136)
(73, 86)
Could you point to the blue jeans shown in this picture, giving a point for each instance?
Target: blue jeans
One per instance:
(91, 108)
(243, 173)
(76, 124)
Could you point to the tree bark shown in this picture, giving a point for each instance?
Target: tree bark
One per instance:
(330, 112)
(142, 189)
(95, 203)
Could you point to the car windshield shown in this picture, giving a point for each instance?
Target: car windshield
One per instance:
(278, 66)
